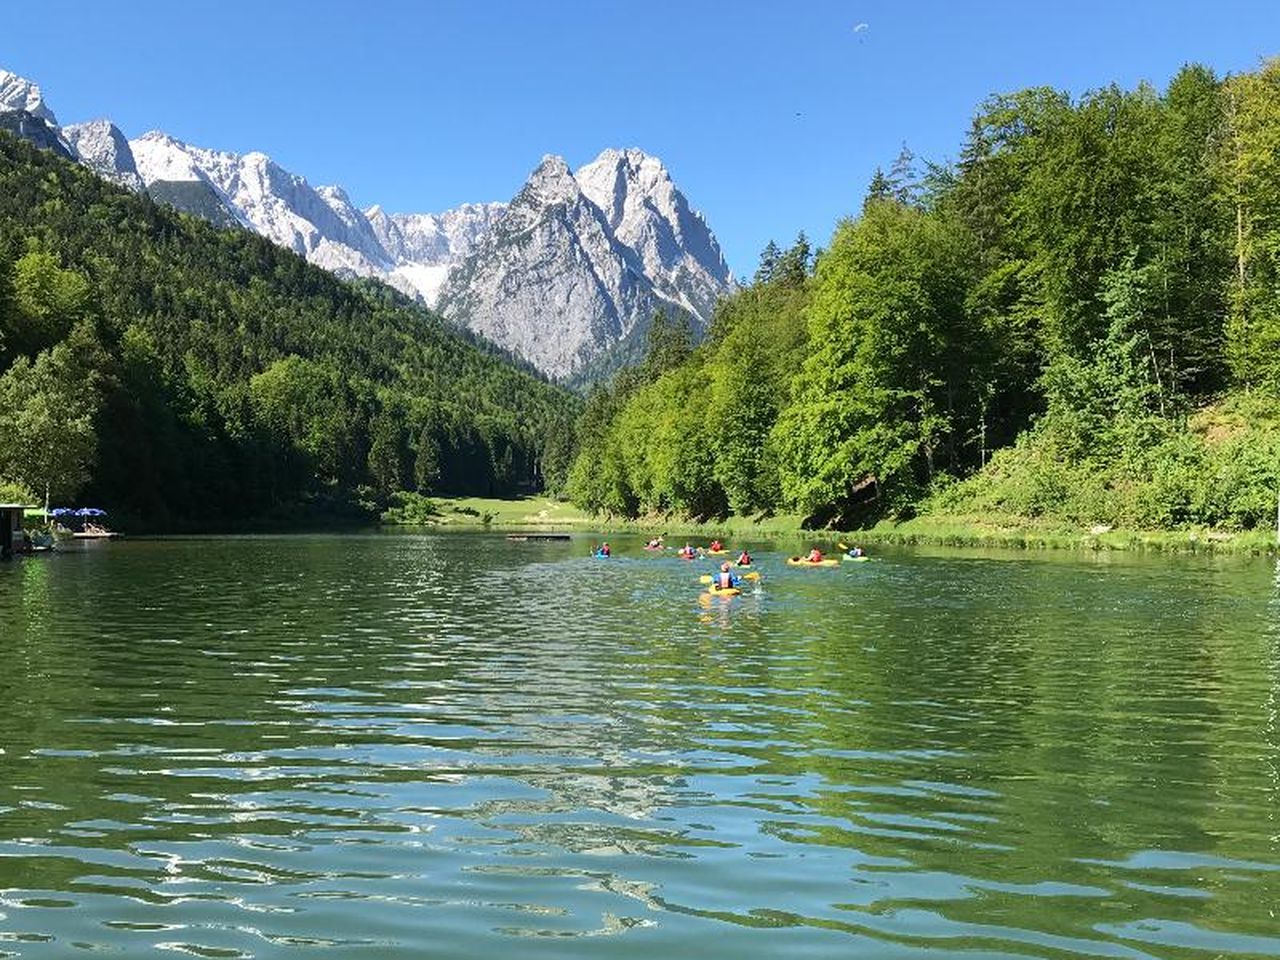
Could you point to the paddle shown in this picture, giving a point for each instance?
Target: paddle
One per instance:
(749, 575)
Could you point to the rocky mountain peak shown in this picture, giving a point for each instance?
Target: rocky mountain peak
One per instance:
(19, 93)
(551, 182)
(103, 148)
(573, 271)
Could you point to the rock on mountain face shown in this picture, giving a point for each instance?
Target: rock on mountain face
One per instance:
(101, 147)
(30, 127)
(577, 265)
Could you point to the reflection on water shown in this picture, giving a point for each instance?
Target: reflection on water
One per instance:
(409, 746)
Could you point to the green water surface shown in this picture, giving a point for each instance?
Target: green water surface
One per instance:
(454, 746)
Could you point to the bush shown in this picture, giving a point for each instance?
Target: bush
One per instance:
(411, 508)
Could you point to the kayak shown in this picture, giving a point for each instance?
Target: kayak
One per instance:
(687, 556)
(801, 562)
(716, 553)
(862, 559)
(742, 566)
(600, 556)
(717, 592)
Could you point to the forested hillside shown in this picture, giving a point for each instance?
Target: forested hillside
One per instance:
(1077, 320)
(185, 376)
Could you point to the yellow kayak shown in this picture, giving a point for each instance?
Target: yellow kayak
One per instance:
(802, 562)
(714, 592)
(716, 553)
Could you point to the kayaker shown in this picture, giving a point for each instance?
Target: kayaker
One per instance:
(687, 551)
(744, 559)
(604, 549)
(725, 579)
(654, 544)
(716, 546)
(856, 552)
(815, 556)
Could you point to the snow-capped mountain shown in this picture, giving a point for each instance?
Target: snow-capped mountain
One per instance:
(567, 275)
(320, 224)
(578, 264)
(570, 269)
(20, 94)
(23, 112)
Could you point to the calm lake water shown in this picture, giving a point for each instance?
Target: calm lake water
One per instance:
(449, 746)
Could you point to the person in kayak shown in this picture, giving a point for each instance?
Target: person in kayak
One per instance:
(654, 544)
(815, 556)
(744, 559)
(716, 546)
(857, 552)
(687, 552)
(725, 579)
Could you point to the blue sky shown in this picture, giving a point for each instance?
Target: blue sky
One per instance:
(771, 116)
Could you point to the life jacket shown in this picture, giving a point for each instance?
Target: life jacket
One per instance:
(724, 580)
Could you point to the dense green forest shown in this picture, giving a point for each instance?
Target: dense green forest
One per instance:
(1077, 321)
(184, 376)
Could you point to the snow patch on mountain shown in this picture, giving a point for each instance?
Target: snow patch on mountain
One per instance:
(425, 245)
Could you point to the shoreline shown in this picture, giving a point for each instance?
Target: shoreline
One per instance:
(541, 513)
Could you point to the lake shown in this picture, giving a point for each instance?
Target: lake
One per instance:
(399, 745)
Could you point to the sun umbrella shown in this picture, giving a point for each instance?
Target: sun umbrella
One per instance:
(90, 512)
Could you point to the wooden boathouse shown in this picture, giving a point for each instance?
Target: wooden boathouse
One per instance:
(11, 528)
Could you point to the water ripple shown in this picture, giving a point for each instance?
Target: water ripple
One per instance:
(451, 745)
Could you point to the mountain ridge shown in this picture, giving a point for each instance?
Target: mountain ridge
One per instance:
(615, 240)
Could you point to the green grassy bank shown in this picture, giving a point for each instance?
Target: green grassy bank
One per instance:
(962, 531)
